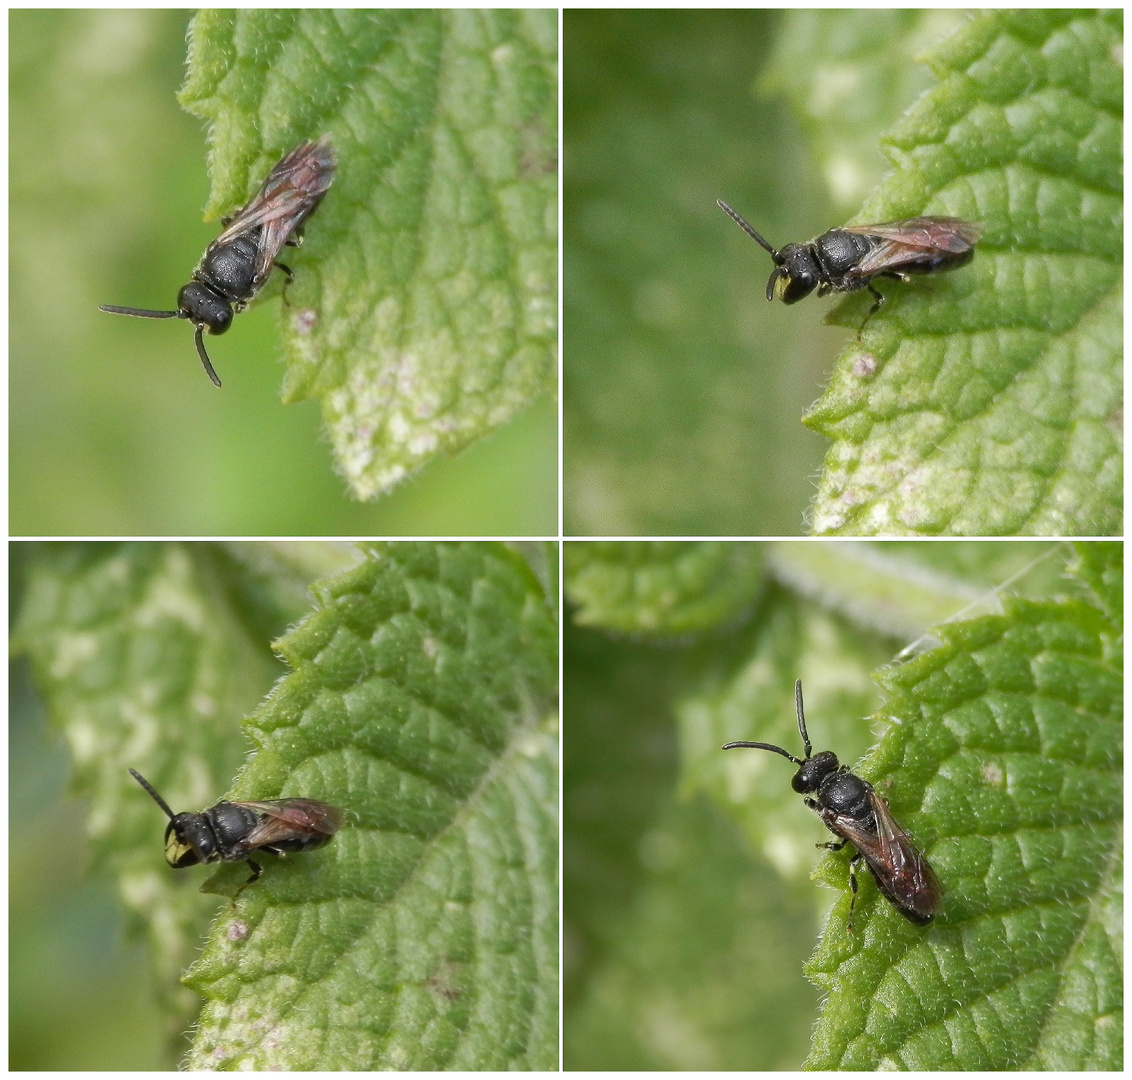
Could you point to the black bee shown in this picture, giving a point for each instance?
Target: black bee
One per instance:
(240, 260)
(847, 259)
(852, 809)
(231, 831)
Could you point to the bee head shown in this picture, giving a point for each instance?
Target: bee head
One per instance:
(204, 306)
(795, 276)
(189, 840)
(813, 771)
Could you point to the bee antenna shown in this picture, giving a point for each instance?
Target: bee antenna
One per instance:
(748, 230)
(140, 313)
(802, 719)
(204, 356)
(763, 746)
(156, 798)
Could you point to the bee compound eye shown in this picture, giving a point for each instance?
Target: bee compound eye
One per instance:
(220, 320)
(796, 286)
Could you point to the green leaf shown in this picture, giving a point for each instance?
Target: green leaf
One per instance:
(1003, 760)
(426, 935)
(423, 313)
(1101, 568)
(1006, 763)
(988, 401)
(662, 587)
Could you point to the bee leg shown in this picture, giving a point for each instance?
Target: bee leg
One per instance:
(877, 301)
(833, 845)
(853, 885)
(290, 277)
(257, 871)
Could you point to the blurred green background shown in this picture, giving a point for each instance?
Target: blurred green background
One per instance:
(84, 993)
(81, 992)
(113, 427)
(683, 389)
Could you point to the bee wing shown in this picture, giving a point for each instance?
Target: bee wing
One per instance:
(898, 867)
(868, 843)
(927, 233)
(904, 242)
(291, 191)
(911, 878)
(282, 816)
